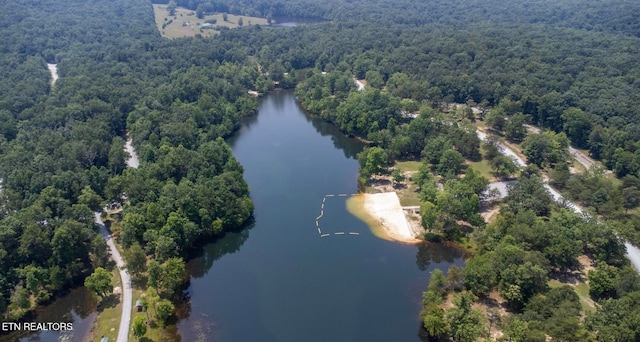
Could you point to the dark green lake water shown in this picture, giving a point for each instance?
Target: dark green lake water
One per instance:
(77, 307)
(279, 280)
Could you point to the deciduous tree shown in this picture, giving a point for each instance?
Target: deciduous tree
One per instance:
(139, 327)
(99, 282)
(136, 260)
(164, 309)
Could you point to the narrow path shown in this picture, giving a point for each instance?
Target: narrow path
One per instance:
(133, 160)
(127, 294)
(53, 69)
(633, 252)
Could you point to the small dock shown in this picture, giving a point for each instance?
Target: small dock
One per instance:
(412, 208)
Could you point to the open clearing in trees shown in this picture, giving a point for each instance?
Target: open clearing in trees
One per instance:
(185, 23)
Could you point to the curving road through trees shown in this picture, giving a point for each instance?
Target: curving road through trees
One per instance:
(633, 252)
(127, 292)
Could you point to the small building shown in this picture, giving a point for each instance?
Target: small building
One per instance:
(139, 305)
(104, 339)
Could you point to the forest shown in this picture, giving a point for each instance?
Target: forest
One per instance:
(567, 67)
(62, 144)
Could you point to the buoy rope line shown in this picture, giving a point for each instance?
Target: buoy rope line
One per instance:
(322, 235)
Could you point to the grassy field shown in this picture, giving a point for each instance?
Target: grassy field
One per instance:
(109, 311)
(178, 27)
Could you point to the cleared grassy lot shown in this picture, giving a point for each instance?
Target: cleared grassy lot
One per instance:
(185, 23)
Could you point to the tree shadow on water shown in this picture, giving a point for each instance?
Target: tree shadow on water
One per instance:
(429, 252)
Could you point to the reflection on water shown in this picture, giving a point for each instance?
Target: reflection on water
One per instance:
(432, 252)
(228, 244)
(78, 307)
(350, 146)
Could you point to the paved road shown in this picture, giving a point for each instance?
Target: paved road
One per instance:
(582, 158)
(504, 150)
(127, 295)
(500, 187)
(578, 155)
(633, 252)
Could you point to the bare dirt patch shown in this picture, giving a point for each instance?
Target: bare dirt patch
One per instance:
(495, 309)
(490, 214)
(586, 263)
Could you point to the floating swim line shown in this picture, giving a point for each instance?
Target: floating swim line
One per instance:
(324, 199)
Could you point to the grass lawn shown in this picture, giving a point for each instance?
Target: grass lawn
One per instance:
(184, 15)
(154, 331)
(484, 168)
(410, 166)
(408, 195)
(109, 311)
(582, 289)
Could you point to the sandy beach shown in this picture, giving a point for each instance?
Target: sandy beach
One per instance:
(384, 215)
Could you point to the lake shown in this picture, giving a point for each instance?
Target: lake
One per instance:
(279, 280)
(77, 307)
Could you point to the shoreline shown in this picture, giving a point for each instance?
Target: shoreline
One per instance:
(384, 216)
